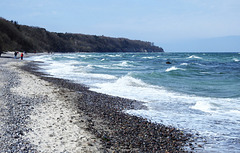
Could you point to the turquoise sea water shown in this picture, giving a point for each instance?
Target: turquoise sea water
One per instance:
(197, 92)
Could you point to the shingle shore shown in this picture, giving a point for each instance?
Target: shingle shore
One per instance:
(14, 110)
(37, 116)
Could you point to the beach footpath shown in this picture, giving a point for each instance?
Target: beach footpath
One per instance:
(39, 113)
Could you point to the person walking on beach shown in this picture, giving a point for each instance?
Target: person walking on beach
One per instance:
(21, 56)
(15, 55)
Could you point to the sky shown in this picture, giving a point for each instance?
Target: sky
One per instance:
(166, 23)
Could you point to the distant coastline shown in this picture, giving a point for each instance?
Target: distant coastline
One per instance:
(14, 36)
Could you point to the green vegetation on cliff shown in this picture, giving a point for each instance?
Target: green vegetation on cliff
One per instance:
(30, 39)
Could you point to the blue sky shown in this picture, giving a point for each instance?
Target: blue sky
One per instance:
(163, 22)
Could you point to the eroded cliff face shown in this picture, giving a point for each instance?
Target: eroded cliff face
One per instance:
(26, 38)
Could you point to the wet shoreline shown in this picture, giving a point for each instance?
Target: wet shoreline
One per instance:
(119, 131)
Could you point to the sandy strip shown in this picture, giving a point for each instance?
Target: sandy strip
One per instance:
(56, 125)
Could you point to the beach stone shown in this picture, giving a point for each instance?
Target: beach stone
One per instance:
(15, 112)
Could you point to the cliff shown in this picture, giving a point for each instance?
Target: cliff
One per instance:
(30, 39)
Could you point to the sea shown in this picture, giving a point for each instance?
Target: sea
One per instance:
(196, 92)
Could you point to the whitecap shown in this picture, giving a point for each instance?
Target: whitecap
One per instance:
(42, 58)
(184, 64)
(100, 76)
(117, 55)
(150, 57)
(70, 57)
(83, 56)
(173, 68)
(206, 72)
(235, 112)
(133, 88)
(236, 60)
(123, 64)
(130, 81)
(202, 106)
(89, 66)
(105, 66)
(194, 56)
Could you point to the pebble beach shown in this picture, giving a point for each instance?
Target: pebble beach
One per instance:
(45, 114)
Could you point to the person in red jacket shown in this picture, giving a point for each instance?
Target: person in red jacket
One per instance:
(21, 56)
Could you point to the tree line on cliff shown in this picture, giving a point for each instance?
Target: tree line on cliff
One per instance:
(34, 39)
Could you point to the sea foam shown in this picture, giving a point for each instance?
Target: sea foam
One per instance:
(236, 60)
(194, 56)
(202, 106)
(173, 68)
(184, 64)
